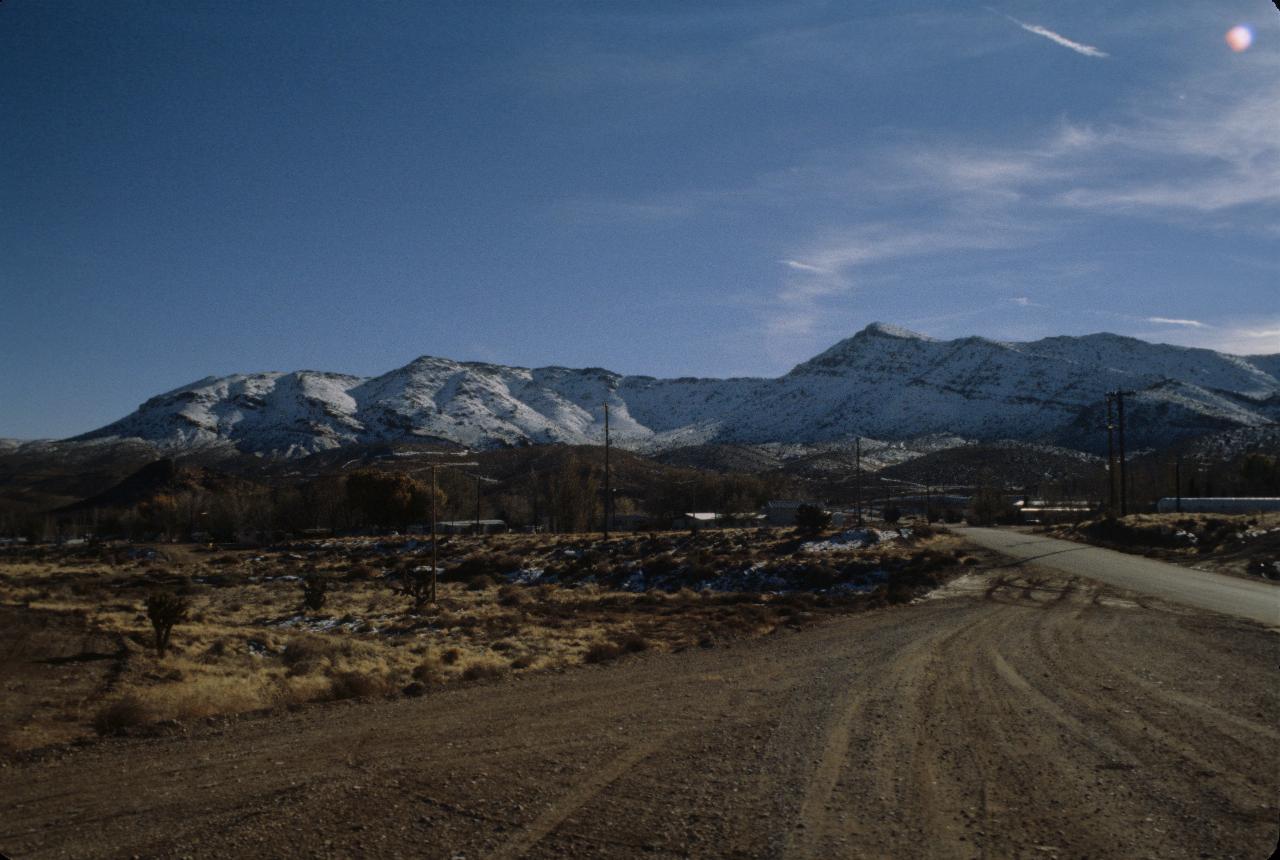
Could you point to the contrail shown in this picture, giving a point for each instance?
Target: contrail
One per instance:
(1078, 47)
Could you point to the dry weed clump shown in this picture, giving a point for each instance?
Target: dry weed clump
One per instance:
(357, 685)
(484, 669)
(117, 717)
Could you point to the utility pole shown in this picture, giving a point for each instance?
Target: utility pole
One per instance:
(857, 453)
(608, 492)
(1177, 482)
(435, 556)
(1124, 485)
(477, 505)
(1111, 456)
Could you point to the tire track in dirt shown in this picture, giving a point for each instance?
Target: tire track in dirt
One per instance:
(575, 799)
(1141, 728)
(892, 696)
(957, 727)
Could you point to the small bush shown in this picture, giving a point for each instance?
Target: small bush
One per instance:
(413, 581)
(480, 583)
(314, 587)
(811, 519)
(356, 685)
(304, 653)
(121, 715)
(164, 610)
(430, 670)
(602, 652)
(484, 670)
(361, 571)
(512, 595)
(632, 643)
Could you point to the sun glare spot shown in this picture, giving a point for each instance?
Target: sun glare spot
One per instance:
(1239, 38)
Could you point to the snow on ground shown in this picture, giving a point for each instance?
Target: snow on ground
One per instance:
(855, 539)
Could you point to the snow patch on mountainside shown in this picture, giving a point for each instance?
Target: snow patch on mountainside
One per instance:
(883, 382)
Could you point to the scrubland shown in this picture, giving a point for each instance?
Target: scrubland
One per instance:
(80, 658)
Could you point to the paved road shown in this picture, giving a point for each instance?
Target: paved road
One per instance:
(1016, 714)
(1257, 601)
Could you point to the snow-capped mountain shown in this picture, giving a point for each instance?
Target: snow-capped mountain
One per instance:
(883, 382)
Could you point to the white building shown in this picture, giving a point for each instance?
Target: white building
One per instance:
(1222, 505)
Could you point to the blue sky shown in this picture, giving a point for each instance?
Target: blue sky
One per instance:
(720, 189)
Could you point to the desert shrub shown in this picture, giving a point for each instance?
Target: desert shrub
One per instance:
(480, 583)
(522, 662)
(811, 519)
(361, 571)
(164, 610)
(356, 685)
(413, 581)
(314, 587)
(308, 653)
(121, 715)
(820, 576)
(658, 565)
(481, 564)
(430, 670)
(450, 656)
(632, 643)
(891, 514)
(512, 595)
(699, 571)
(216, 649)
(602, 652)
(483, 670)
(304, 654)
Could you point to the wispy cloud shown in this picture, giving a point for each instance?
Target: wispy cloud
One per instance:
(838, 264)
(804, 267)
(1171, 321)
(1078, 47)
(1259, 337)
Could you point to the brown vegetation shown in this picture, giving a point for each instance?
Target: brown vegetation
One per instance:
(233, 638)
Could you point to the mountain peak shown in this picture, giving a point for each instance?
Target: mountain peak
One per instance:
(884, 381)
(881, 329)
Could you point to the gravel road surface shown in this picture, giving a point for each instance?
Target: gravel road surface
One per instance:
(1016, 713)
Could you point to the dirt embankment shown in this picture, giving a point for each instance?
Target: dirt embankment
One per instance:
(1012, 715)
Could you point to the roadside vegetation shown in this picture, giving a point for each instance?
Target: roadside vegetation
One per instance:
(185, 633)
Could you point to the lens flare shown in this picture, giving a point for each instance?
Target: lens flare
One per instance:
(1239, 38)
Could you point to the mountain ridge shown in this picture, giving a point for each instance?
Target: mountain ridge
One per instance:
(883, 381)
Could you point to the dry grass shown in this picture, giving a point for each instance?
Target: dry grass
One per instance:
(249, 645)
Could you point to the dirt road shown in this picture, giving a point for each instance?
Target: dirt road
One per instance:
(1256, 600)
(1009, 717)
